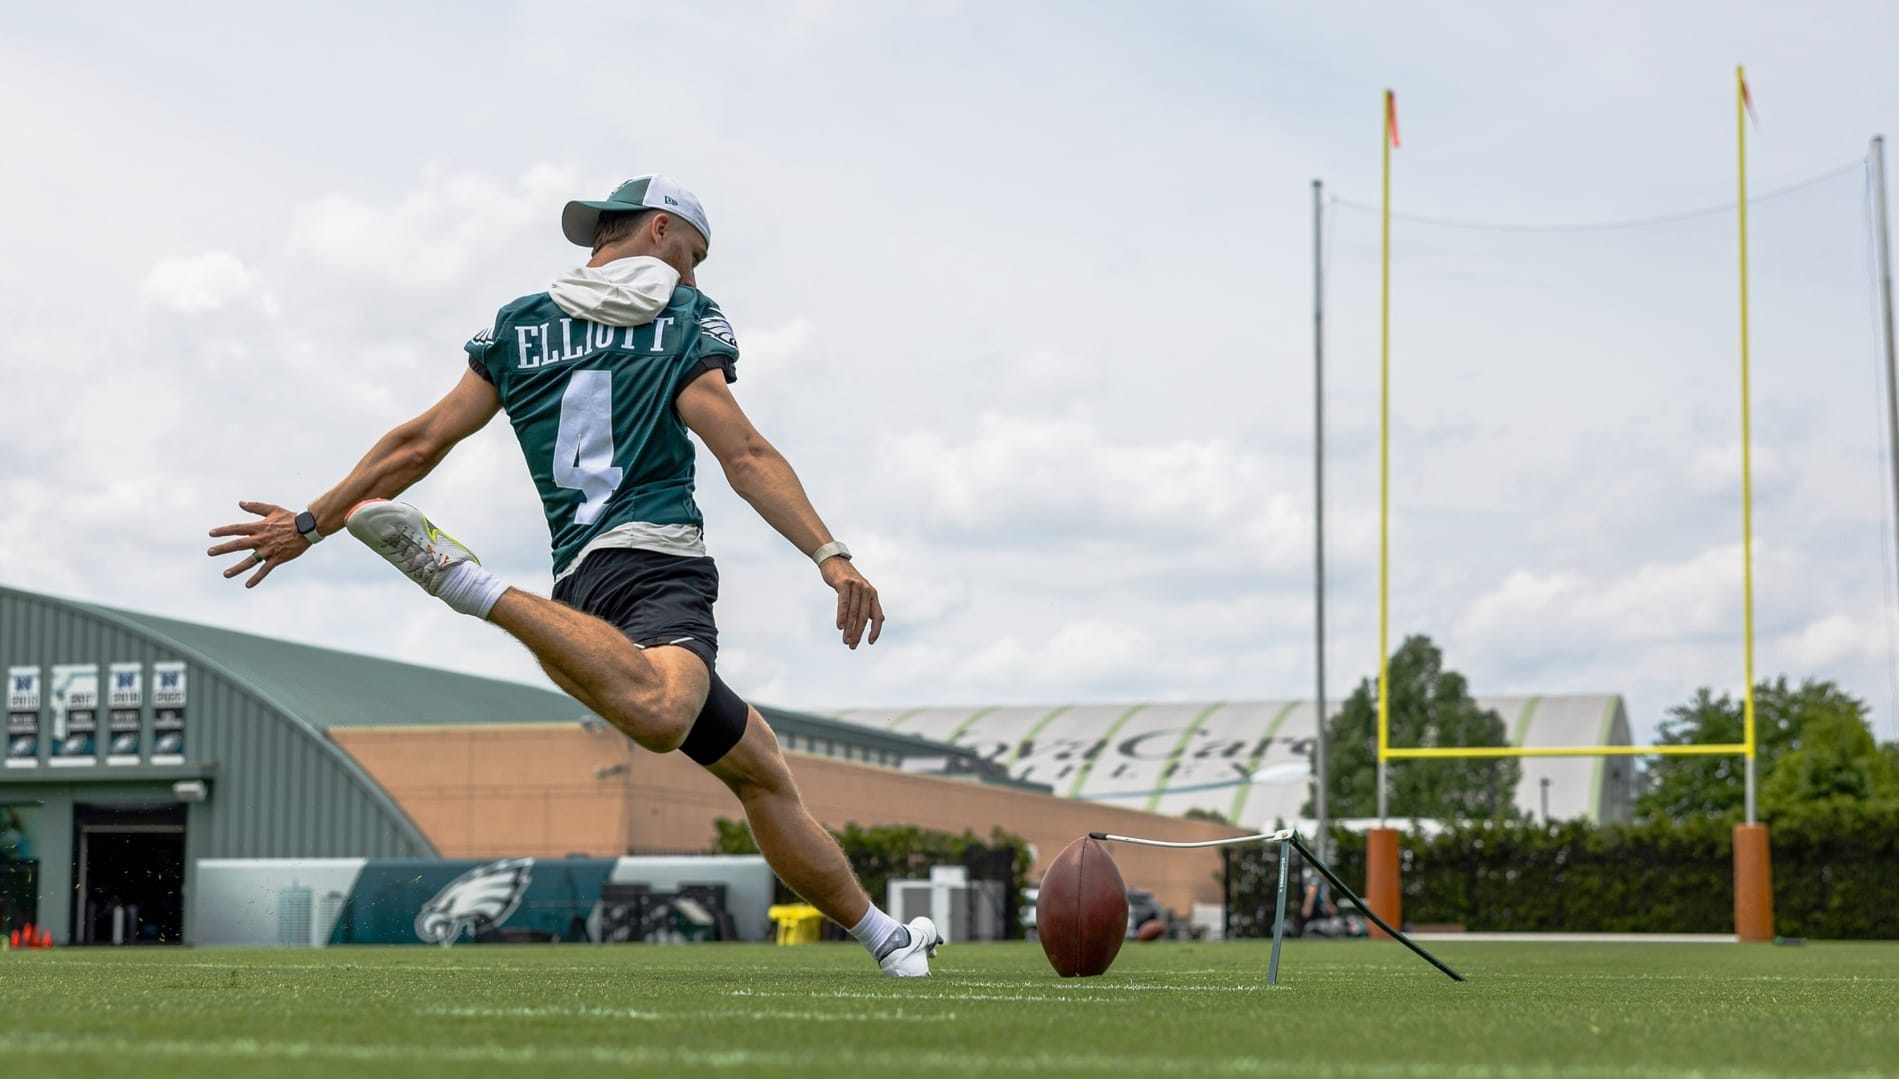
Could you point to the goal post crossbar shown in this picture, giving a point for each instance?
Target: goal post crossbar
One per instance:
(1397, 753)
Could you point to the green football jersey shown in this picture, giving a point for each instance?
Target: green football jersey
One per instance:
(592, 406)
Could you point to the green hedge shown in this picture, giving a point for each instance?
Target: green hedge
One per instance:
(1836, 874)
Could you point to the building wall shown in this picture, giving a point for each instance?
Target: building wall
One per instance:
(486, 792)
(1251, 761)
(276, 789)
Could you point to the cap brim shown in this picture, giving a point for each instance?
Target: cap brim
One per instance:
(577, 221)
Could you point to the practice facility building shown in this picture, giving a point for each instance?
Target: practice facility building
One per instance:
(1250, 762)
(139, 747)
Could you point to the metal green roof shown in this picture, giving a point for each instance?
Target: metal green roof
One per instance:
(328, 688)
(255, 730)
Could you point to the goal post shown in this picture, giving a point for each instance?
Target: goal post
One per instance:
(1753, 903)
(1388, 137)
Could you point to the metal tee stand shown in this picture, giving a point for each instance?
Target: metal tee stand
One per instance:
(1288, 841)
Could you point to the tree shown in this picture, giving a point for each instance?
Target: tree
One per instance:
(1816, 730)
(1835, 764)
(1430, 706)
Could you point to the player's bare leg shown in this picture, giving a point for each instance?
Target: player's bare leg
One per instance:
(654, 696)
(805, 856)
(583, 661)
(800, 851)
(653, 699)
(651, 695)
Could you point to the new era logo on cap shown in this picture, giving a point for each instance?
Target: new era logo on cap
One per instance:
(654, 192)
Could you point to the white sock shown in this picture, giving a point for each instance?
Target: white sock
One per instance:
(471, 589)
(880, 933)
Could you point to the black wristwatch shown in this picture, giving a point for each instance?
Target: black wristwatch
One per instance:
(306, 524)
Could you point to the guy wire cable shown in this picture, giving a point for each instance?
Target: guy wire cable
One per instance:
(1607, 226)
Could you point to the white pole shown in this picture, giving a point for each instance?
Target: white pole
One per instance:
(1883, 236)
(1280, 836)
(1320, 766)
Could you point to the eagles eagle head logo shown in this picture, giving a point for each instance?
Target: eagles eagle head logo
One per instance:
(478, 900)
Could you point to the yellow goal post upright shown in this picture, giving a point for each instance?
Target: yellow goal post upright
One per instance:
(1753, 891)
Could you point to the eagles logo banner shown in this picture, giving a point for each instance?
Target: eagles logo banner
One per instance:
(246, 902)
(478, 900)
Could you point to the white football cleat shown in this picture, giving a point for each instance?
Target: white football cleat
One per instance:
(913, 959)
(408, 541)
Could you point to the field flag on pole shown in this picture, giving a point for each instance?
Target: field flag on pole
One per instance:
(1389, 142)
(1742, 113)
(1747, 102)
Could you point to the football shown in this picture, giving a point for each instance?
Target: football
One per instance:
(1081, 913)
(1152, 929)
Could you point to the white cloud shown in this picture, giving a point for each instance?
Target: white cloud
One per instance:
(1038, 343)
(195, 284)
(1717, 469)
(1841, 640)
(774, 347)
(438, 234)
(1079, 651)
(1527, 612)
(1021, 474)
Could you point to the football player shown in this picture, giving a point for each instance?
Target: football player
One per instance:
(601, 377)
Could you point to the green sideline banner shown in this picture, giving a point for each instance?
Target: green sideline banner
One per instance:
(246, 902)
(436, 902)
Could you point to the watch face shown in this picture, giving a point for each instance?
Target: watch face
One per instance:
(306, 522)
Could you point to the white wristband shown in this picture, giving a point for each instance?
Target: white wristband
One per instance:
(833, 549)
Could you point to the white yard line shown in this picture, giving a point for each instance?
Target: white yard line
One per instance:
(1052, 994)
(1080, 986)
(539, 1057)
(584, 1012)
(1580, 938)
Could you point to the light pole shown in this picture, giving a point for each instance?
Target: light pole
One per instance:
(1319, 763)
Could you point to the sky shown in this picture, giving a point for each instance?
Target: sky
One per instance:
(1024, 291)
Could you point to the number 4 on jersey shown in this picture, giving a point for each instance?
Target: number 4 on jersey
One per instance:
(583, 447)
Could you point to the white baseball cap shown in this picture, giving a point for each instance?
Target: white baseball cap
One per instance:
(654, 192)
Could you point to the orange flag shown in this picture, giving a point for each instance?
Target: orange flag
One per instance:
(1747, 101)
(1391, 117)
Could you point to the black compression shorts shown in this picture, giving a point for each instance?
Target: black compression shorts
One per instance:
(658, 599)
(652, 598)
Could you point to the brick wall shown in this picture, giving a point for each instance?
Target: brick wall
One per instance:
(535, 790)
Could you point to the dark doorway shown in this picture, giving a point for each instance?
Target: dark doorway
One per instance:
(130, 863)
(19, 867)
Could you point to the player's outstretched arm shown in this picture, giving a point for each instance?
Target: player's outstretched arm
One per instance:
(398, 460)
(762, 477)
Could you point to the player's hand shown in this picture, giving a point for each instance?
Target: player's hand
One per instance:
(267, 542)
(857, 603)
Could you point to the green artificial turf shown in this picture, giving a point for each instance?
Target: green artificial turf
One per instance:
(1171, 1009)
